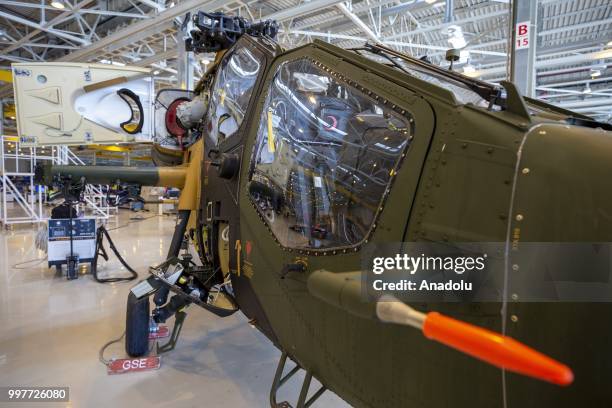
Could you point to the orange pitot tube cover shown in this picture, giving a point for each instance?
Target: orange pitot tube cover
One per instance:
(496, 349)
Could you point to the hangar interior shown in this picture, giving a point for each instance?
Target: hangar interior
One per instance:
(557, 51)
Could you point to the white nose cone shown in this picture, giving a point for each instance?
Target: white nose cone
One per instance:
(105, 108)
(65, 103)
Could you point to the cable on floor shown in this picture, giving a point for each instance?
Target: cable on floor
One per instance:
(37, 260)
(42, 237)
(105, 346)
(40, 243)
(100, 250)
(110, 343)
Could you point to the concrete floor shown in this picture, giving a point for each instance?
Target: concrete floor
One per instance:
(52, 330)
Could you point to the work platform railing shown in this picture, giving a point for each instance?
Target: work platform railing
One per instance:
(21, 199)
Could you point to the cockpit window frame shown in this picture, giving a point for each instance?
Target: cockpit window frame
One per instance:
(360, 88)
(266, 58)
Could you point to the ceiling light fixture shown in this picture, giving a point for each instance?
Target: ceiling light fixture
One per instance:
(470, 71)
(455, 36)
(58, 4)
(105, 61)
(604, 54)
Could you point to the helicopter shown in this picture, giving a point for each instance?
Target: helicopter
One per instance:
(292, 163)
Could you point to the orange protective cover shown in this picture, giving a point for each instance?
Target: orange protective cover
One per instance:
(496, 349)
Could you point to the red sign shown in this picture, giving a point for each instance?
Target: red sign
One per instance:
(522, 35)
(249, 248)
(127, 365)
(160, 333)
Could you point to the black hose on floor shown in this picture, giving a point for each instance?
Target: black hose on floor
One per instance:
(100, 250)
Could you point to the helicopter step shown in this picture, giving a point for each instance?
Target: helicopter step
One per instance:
(280, 380)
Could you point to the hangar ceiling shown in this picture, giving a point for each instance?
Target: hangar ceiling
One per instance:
(573, 54)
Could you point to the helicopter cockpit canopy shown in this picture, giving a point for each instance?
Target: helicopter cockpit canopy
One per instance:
(325, 157)
(475, 92)
(232, 90)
